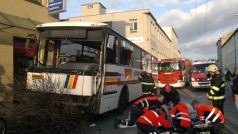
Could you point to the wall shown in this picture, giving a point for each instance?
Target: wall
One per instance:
(219, 54)
(26, 10)
(229, 53)
(6, 59)
(155, 41)
(92, 9)
(23, 14)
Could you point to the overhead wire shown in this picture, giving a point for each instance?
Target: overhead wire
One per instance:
(197, 29)
(205, 27)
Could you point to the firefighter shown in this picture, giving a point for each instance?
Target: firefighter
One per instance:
(209, 115)
(148, 84)
(138, 108)
(180, 117)
(152, 123)
(171, 96)
(216, 93)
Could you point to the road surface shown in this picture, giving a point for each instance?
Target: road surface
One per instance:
(104, 123)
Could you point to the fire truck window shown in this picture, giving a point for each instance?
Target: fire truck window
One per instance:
(146, 59)
(181, 65)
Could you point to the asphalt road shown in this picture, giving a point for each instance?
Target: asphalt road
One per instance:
(104, 123)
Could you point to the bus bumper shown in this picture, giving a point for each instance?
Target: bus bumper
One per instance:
(200, 84)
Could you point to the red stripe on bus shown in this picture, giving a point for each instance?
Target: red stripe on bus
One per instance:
(123, 82)
(75, 81)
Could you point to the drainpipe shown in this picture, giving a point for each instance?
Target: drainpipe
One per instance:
(235, 47)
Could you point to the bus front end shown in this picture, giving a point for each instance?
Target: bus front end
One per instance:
(67, 63)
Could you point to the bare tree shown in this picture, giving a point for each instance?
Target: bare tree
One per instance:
(42, 107)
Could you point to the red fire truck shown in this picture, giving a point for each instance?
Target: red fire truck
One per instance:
(198, 77)
(175, 72)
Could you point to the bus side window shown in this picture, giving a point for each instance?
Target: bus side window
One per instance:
(136, 57)
(126, 52)
(111, 50)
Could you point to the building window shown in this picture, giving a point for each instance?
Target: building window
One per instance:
(133, 25)
(90, 6)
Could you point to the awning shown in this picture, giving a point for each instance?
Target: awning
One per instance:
(16, 25)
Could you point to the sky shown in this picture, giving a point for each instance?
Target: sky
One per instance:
(198, 23)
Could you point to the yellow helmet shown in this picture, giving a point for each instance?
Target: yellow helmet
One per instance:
(212, 68)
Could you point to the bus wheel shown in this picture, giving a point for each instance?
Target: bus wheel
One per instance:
(123, 100)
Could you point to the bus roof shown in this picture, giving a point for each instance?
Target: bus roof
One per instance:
(171, 60)
(72, 24)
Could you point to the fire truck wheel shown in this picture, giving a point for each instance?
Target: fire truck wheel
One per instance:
(123, 100)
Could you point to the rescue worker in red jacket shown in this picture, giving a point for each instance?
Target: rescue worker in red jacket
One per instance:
(180, 117)
(209, 115)
(152, 123)
(217, 91)
(138, 108)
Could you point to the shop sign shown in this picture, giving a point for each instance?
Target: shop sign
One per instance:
(56, 6)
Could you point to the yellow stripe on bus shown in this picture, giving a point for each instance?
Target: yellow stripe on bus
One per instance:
(71, 81)
(111, 79)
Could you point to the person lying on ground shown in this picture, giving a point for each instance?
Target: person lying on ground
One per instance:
(139, 107)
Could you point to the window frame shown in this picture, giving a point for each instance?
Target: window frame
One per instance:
(133, 25)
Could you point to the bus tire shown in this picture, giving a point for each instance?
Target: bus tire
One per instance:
(123, 100)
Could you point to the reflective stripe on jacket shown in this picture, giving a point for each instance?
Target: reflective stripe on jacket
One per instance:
(209, 114)
(180, 112)
(151, 102)
(154, 119)
(217, 89)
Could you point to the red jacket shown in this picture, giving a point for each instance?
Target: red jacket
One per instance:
(154, 119)
(148, 103)
(181, 113)
(209, 114)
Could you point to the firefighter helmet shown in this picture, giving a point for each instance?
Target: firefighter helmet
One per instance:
(212, 68)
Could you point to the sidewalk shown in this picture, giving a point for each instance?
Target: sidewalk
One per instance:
(231, 114)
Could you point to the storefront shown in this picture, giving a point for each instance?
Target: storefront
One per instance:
(17, 33)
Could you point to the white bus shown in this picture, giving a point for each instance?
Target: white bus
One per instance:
(95, 66)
